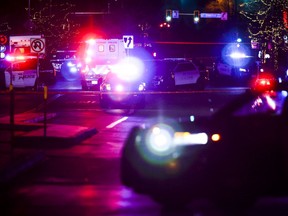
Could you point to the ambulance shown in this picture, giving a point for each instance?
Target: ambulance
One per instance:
(96, 57)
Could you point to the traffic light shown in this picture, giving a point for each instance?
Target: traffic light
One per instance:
(168, 15)
(196, 16)
(239, 41)
(3, 46)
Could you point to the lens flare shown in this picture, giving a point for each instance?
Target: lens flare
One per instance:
(236, 56)
(160, 140)
(215, 137)
(129, 69)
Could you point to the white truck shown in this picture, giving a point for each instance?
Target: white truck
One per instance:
(96, 56)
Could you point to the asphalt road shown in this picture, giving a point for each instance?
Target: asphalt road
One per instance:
(83, 179)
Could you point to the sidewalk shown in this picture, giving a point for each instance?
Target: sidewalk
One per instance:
(30, 139)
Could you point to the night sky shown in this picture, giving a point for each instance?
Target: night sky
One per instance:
(16, 11)
(125, 16)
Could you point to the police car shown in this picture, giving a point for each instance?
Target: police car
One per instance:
(175, 73)
(187, 73)
(21, 72)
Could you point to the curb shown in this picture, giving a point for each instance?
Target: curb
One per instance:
(67, 137)
(19, 165)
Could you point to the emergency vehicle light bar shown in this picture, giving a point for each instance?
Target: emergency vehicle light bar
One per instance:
(12, 58)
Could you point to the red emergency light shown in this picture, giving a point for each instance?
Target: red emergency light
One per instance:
(285, 18)
(13, 58)
(264, 82)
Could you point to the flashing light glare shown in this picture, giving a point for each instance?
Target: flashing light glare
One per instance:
(129, 69)
(287, 72)
(155, 55)
(186, 138)
(20, 57)
(10, 58)
(284, 93)
(258, 102)
(89, 52)
(192, 118)
(160, 140)
(168, 18)
(73, 70)
(271, 102)
(119, 88)
(242, 70)
(264, 82)
(237, 55)
(239, 40)
(165, 25)
(215, 137)
(91, 41)
(267, 56)
(88, 60)
(70, 64)
(14, 58)
(141, 87)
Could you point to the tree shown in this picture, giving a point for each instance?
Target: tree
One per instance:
(266, 26)
(55, 23)
(222, 6)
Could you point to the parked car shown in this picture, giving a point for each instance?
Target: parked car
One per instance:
(21, 72)
(159, 74)
(187, 73)
(223, 73)
(176, 73)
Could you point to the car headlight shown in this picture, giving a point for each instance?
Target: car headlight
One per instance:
(160, 140)
(186, 138)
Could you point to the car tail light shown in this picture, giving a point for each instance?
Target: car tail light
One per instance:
(264, 82)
